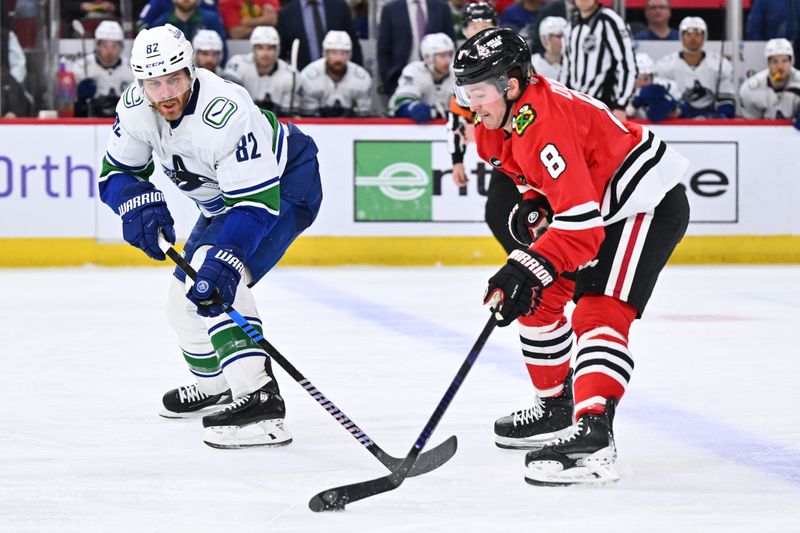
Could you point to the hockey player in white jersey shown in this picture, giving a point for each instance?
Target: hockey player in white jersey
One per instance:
(334, 86)
(102, 75)
(775, 91)
(705, 80)
(654, 98)
(551, 33)
(207, 46)
(256, 184)
(424, 88)
(271, 81)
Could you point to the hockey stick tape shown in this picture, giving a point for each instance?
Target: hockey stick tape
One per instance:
(494, 301)
(163, 243)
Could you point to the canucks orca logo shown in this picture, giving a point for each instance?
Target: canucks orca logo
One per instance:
(696, 93)
(185, 179)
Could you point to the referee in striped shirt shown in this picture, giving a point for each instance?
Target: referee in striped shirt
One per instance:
(598, 58)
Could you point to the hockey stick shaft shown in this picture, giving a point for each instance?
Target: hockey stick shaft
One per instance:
(293, 58)
(434, 459)
(337, 498)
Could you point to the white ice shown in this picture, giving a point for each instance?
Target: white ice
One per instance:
(708, 434)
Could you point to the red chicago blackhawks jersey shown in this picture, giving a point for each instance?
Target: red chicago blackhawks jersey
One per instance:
(593, 169)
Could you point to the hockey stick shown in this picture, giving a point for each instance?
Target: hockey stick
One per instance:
(80, 30)
(293, 57)
(428, 461)
(335, 499)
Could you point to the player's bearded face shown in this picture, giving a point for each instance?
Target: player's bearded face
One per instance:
(486, 100)
(780, 68)
(336, 61)
(169, 93)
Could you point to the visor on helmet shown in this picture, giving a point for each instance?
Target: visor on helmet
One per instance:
(482, 92)
(166, 87)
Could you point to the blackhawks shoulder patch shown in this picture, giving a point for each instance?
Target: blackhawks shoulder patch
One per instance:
(524, 118)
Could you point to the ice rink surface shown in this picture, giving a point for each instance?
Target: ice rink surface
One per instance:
(708, 434)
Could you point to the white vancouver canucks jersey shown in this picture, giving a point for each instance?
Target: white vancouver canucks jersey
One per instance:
(545, 68)
(223, 151)
(275, 87)
(697, 85)
(319, 91)
(416, 83)
(760, 100)
(116, 78)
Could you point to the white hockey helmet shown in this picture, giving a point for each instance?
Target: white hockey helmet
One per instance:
(266, 35)
(435, 43)
(109, 30)
(337, 40)
(693, 23)
(778, 47)
(207, 40)
(644, 63)
(159, 51)
(552, 26)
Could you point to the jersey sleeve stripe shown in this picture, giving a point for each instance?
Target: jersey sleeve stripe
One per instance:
(593, 221)
(253, 188)
(578, 210)
(130, 168)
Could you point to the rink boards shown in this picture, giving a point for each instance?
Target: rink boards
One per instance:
(389, 198)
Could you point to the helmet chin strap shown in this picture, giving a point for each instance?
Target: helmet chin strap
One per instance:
(509, 106)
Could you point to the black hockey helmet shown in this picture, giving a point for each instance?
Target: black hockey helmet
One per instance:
(478, 11)
(493, 54)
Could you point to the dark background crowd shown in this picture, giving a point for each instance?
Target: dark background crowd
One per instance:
(398, 28)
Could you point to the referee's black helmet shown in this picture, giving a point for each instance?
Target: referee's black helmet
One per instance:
(478, 11)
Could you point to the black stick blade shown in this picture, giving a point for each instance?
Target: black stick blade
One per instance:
(433, 458)
(336, 499)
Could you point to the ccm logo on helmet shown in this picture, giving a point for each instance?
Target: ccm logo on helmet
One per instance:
(151, 65)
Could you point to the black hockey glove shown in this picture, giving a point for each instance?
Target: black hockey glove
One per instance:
(520, 283)
(529, 220)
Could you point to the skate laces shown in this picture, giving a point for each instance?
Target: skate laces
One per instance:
(577, 428)
(531, 414)
(191, 394)
(239, 402)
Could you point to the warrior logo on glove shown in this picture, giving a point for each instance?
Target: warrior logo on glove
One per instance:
(520, 283)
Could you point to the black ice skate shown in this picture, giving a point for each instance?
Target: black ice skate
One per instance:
(191, 402)
(585, 457)
(255, 419)
(530, 429)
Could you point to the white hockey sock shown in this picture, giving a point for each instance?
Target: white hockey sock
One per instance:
(241, 359)
(193, 341)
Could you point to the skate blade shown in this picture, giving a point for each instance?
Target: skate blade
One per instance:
(531, 443)
(269, 433)
(597, 469)
(579, 475)
(200, 413)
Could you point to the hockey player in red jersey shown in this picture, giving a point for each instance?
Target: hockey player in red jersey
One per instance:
(602, 210)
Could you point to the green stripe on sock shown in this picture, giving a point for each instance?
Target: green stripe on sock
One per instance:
(204, 365)
(232, 340)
